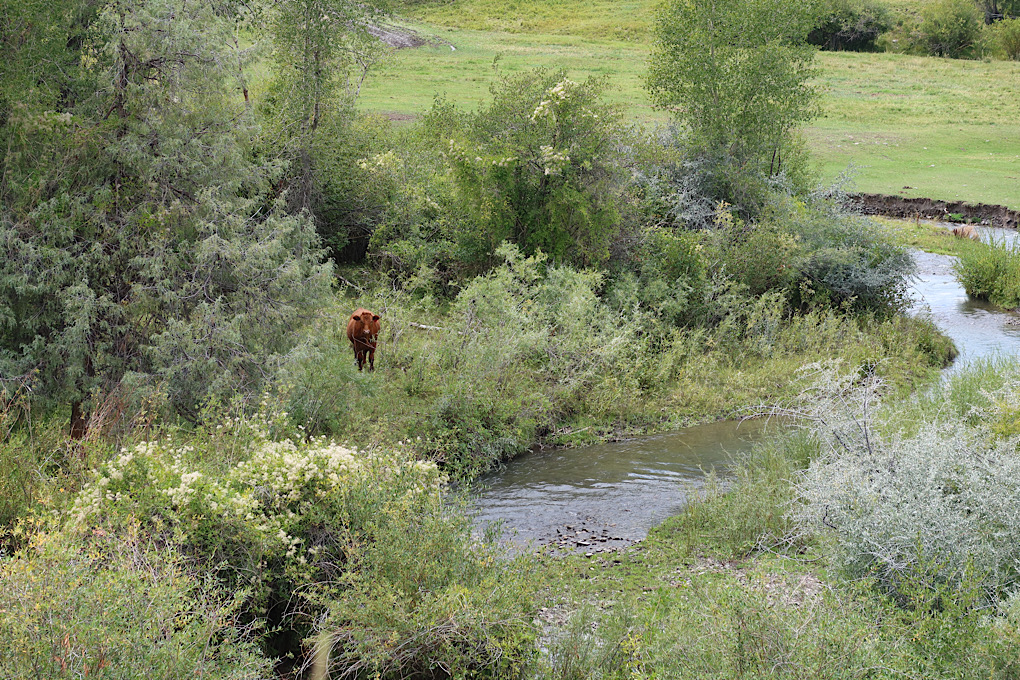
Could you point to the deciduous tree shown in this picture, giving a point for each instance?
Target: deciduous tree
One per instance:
(734, 76)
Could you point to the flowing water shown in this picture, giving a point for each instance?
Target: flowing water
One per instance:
(979, 329)
(603, 497)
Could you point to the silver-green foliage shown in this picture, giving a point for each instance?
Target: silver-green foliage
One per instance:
(143, 240)
(936, 508)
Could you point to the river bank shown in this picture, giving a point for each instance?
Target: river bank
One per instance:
(733, 585)
(942, 211)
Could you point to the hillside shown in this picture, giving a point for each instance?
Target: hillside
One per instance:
(915, 126)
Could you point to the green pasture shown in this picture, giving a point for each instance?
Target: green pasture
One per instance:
(914, 126)
(595, 19)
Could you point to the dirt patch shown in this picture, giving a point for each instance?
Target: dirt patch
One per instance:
(944, 211)
(399, 38)
(400, 117)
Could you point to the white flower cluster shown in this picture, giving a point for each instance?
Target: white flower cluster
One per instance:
(555, 95)
(503, 162)
(553, 161)
(289, 472)
(273, 490)
(456, 152)
(382, 162)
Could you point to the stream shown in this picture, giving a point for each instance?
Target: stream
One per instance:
(601, 498)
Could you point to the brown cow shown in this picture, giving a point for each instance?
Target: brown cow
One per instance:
(363, 332)
(966, 232)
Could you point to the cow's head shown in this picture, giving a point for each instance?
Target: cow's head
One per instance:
(369, 325)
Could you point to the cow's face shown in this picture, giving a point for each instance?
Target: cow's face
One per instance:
(368, 326)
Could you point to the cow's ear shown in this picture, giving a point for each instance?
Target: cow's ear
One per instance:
(355, 317)
(375, 317)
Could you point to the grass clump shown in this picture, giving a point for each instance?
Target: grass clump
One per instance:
(731, 521)
(991, 273)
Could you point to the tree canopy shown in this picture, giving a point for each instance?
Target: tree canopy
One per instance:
(734, 76)
(138, 234)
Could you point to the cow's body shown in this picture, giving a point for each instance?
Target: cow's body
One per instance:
(363, 332)
(966, 232)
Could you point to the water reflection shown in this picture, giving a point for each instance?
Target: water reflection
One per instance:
(608, 495)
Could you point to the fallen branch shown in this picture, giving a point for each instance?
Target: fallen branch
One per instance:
(434, 328)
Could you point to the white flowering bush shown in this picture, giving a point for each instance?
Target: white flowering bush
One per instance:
(929, 515)
(542, 166)
(289, 516)
(312, 535)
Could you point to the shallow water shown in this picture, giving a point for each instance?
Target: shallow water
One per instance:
(604, 497)
(979, 329)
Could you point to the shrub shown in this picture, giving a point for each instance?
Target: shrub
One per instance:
(430, 608)
(762, 256)
(673, 281)
(1006, 37)
(991, 272)
(542, 166)
(948, 28)
(848, 261)
(296, 527)
(929, 515)
(102, 606)
(851, 25)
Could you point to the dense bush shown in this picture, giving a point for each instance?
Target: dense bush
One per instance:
(851, 25)
(815, 254)
(931, 514)
(117, 606)
(299, 529)
(991, 272)
(850, 262)
(948, 28)
(1006, 37)
(543, 166)
(673, 278)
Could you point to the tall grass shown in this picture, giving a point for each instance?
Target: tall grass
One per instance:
(991, 273)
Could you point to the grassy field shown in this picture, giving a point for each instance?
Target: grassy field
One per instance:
(914, 126)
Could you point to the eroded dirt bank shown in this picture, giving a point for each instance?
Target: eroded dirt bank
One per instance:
(945, 211)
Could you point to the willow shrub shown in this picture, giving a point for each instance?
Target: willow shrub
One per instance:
(110, 606)
(545, 165)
